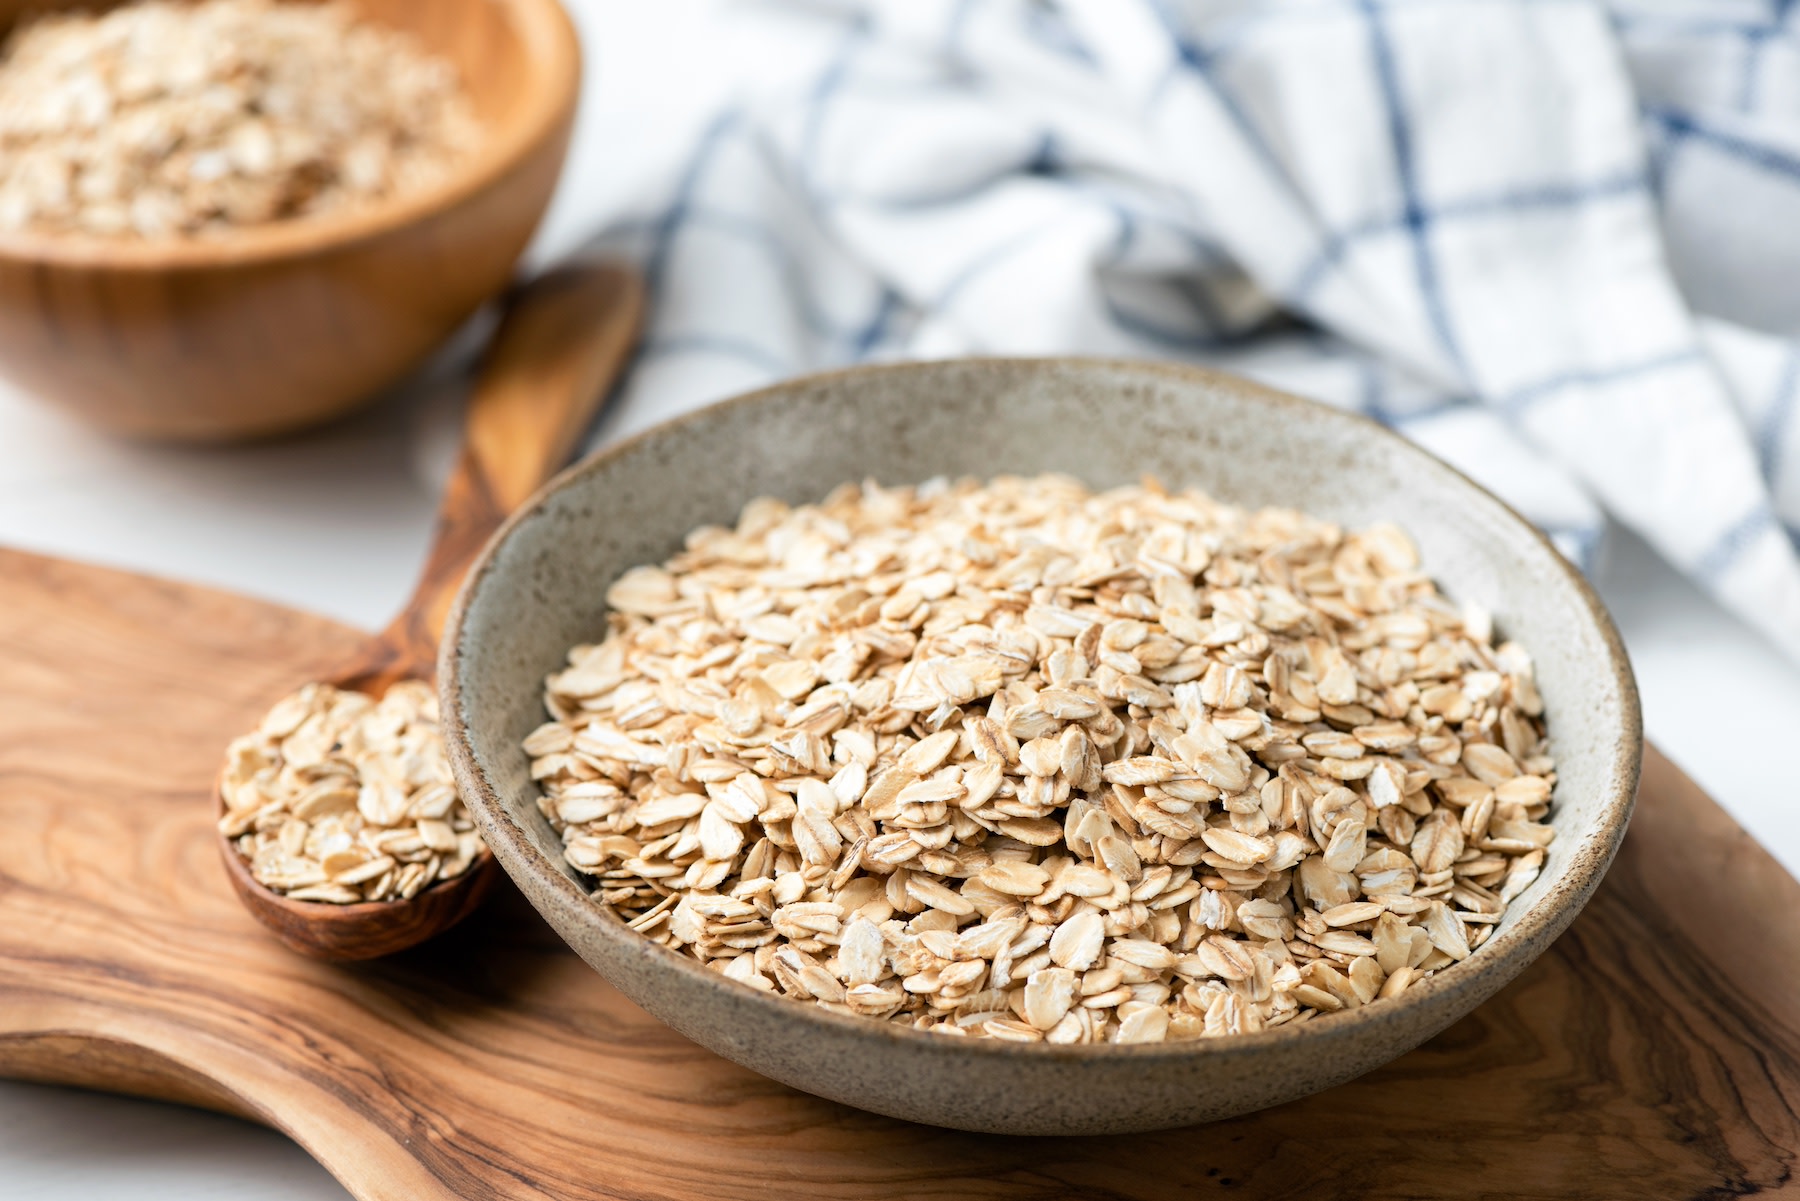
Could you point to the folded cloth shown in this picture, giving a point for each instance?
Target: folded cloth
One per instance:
(1554, 242)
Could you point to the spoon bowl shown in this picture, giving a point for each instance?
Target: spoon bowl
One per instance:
(367, 929)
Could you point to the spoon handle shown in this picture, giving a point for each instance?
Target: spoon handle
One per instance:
(561, 343)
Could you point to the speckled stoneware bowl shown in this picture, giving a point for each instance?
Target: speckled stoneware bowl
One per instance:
(538, 590)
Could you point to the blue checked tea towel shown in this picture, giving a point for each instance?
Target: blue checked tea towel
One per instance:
(1555, 242)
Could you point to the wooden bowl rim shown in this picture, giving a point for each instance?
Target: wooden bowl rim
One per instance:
(554, 52)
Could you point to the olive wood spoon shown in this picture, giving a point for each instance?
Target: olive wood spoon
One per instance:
(561, 343)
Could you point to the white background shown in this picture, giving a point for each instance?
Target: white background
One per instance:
(337, 521)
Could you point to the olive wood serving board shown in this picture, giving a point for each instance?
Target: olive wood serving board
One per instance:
(1653, 1052)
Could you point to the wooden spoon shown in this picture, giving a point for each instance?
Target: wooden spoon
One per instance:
(560, 345)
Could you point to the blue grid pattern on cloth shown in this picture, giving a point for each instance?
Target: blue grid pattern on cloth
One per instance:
(1550, 240)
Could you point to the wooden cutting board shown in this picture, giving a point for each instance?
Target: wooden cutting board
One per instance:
(1654, 1052)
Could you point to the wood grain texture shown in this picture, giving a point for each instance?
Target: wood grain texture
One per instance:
(1654, 1052)
(287, 324)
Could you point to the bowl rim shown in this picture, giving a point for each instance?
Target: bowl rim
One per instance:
(1443, 991)
(553, 50)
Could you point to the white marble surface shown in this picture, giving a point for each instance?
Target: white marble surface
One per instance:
(336, 522)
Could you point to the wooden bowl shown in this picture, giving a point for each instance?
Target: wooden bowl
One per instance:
(287, 324)
(539, 589)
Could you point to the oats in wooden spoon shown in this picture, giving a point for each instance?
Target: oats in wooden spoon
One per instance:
(338, 797)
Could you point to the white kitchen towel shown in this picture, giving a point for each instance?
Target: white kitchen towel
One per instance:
(1555, 242)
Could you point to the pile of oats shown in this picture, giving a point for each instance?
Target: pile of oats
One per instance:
(340, 798)
(1025, 761)
(161, 119)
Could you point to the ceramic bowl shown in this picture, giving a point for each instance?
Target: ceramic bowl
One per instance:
(538, 590)
(279, 326)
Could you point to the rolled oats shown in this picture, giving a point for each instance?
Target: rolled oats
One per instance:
(1023, 761)
(340, 798)
(161, 119)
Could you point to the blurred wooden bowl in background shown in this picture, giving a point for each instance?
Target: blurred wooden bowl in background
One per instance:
(279, 326)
